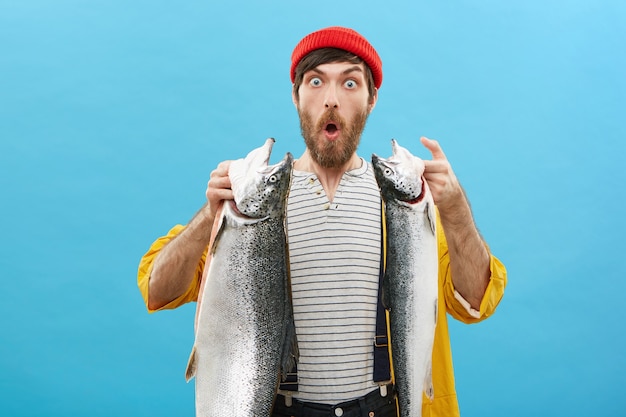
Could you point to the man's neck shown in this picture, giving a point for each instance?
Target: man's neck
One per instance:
(328, 177)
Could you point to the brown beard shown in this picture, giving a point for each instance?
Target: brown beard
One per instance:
(332, 154)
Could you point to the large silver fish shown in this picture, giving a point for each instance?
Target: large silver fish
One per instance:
(245, 334)
(410, 282)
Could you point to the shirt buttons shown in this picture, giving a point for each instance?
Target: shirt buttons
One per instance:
(338, 411)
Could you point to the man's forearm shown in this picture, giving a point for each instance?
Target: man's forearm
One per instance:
(175, 266)
(469, 257)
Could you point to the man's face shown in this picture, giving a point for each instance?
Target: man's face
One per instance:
(333, 106)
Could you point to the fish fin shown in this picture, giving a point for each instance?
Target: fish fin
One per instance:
(207, 264)
(431, 213)
(191, 365)
(221, 225)
(429, 389)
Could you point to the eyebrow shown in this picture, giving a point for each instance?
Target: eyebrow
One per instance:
(344, 72)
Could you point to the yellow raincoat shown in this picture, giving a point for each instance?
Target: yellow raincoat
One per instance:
(445, 402)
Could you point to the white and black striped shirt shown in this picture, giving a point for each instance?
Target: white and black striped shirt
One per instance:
(334, 250)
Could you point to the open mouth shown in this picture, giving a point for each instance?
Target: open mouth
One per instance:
(331, 130)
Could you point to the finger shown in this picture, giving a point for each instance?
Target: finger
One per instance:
(433, 147)
(215, 196)
(219, 182)
(435, 166)
(221, 170)
(223, 194)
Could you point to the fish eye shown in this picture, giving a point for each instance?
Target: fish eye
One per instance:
(272, 178)
(388, 171)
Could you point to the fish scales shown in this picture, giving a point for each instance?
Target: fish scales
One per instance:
(410, 287)
(240, 327)
(245, 336)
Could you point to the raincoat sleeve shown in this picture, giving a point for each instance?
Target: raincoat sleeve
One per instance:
(456, 305)
(145, 268)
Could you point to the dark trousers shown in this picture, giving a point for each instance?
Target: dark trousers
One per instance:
(371, 405)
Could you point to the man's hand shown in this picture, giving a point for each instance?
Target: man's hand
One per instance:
(218, 188)
(469, 258)
(442, 182)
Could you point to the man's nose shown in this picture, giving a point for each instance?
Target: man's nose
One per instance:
(331, 99)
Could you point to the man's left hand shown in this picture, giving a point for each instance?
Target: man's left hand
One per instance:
(440, 177)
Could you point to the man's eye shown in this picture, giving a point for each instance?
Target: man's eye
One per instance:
(315, 82)
(350, 84)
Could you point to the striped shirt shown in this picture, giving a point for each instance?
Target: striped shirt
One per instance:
(334, 250)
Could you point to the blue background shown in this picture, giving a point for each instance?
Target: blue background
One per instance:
(114, 113)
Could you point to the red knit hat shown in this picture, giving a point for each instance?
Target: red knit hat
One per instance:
(340, 38)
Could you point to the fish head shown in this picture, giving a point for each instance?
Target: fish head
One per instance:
(401, 176)
(260, 190)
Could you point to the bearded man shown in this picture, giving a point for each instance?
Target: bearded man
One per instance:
(334, 237)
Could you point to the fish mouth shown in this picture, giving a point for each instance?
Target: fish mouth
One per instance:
(245, 218)
(421, 195)
(233, 206)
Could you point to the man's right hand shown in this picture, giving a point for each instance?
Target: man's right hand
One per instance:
(218, 188)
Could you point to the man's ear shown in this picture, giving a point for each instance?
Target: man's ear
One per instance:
(293, 97)
(373, 101)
